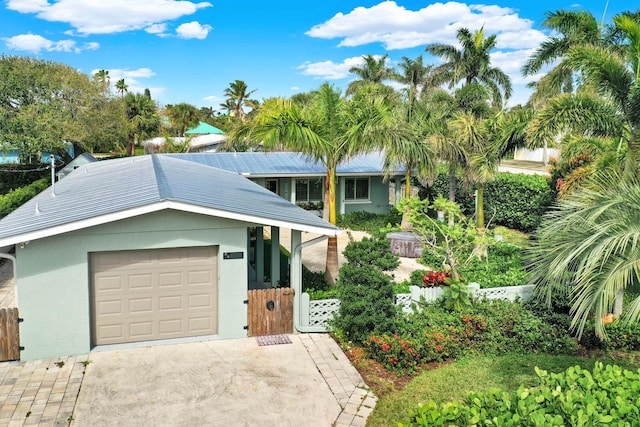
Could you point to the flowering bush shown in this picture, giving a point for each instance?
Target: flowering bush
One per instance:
(432, 279)
(396, 353)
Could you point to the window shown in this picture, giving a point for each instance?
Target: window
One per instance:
(309, 190)
(356, 189)
(271, 185)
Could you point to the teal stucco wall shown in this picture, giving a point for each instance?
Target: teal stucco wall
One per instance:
(378, 198)
(53, 278)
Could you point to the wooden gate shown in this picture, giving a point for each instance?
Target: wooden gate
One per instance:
(270, 311)
(9, 335)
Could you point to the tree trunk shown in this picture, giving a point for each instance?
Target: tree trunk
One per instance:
(327, 198)
(332, 267)
(452, 183)
(131, 146)
(407, 185)
(480, 207)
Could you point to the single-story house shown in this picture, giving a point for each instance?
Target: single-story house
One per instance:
(141, 249)
(74, 164)
(202, 138)
(361, 183)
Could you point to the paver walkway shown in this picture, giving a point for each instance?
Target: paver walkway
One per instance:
(40, 392)
(354, 396)
(7, 291)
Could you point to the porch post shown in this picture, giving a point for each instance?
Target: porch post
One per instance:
(293, 190)
(398, 188)
(341, 196)
(259, 254)
(295, 272)
(275, 256)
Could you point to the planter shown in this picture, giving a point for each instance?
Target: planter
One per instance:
(405, 244)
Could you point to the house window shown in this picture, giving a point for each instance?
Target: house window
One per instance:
(271, 185)
(309, 190)
(356, 189)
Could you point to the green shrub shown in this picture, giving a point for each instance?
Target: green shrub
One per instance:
(375, 251)
(416, 277)
(314, 284)
(15, 198)
(17, 176)
(369, 222)
(513, 200)
(619, 337)
(577, 397)
(367, 303)
(395, 353)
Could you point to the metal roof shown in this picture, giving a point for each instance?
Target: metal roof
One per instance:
(282, 164)
(204, 129)
(111, 190)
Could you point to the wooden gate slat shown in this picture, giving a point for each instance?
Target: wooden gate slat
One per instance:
(270, 322)
(9, 334)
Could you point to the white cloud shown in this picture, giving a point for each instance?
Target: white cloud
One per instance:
(35, 43)
(330, 70)
(212, 98)
(106, 17)
(398, 28)
(295, 88)
(193, 30)
(157, 29)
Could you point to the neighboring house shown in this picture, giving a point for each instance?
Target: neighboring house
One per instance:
(144, 248)
(202, 138)
(74, 164)
(360, 185)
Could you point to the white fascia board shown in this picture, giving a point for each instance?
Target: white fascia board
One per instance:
(155, 207)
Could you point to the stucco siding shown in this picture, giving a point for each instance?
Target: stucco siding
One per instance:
(378, 198)
(53, 276)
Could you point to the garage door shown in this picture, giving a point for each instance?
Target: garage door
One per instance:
(153, 294)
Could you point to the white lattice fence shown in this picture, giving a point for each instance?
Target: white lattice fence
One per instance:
(317, 313)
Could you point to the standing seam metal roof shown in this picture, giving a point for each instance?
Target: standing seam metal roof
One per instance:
(112, 186)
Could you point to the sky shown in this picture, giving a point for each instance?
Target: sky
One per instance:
(189, 51)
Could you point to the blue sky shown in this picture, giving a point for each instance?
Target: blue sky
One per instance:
(189, 51)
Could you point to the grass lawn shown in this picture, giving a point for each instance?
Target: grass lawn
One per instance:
(455, 380)
(514, 237)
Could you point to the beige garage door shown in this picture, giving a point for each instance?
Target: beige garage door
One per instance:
(154, 294)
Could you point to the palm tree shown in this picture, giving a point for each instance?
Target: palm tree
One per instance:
(122, 87)
(183, 116)
(142, 118)
(372, 70)
(238, 98)
(470, 64)
(328, 129)
(414, 76)
(101, 77)
(615, 113)
(588, 247)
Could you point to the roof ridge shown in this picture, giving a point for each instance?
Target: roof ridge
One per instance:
(164, 189)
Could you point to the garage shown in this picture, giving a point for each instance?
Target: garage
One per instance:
(153, 294)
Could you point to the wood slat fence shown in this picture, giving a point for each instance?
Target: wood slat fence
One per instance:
(270, 311)
(9, 334)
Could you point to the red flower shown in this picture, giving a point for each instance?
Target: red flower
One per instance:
(439, 348)
(385, 347)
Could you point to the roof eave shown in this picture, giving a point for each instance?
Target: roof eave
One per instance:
(155, 207)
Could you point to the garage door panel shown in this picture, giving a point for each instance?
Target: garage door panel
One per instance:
(154, 294)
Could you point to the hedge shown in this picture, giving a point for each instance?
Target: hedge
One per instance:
(15, 198)
(516, 201)
(13, 176)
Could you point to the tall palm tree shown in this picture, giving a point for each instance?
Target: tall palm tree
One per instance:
(238, 97)
(471, 64)
(372, 70)
(101, 77)
(142, 119)
(183, 116)
(328, 128)
(614, 109)
(122, 87)
(588, 247)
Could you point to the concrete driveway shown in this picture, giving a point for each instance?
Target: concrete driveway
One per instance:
(215, 383)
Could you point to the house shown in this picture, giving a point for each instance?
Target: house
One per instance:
(361, 183)
(134, 250)
(202, 138)
(74, 164)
